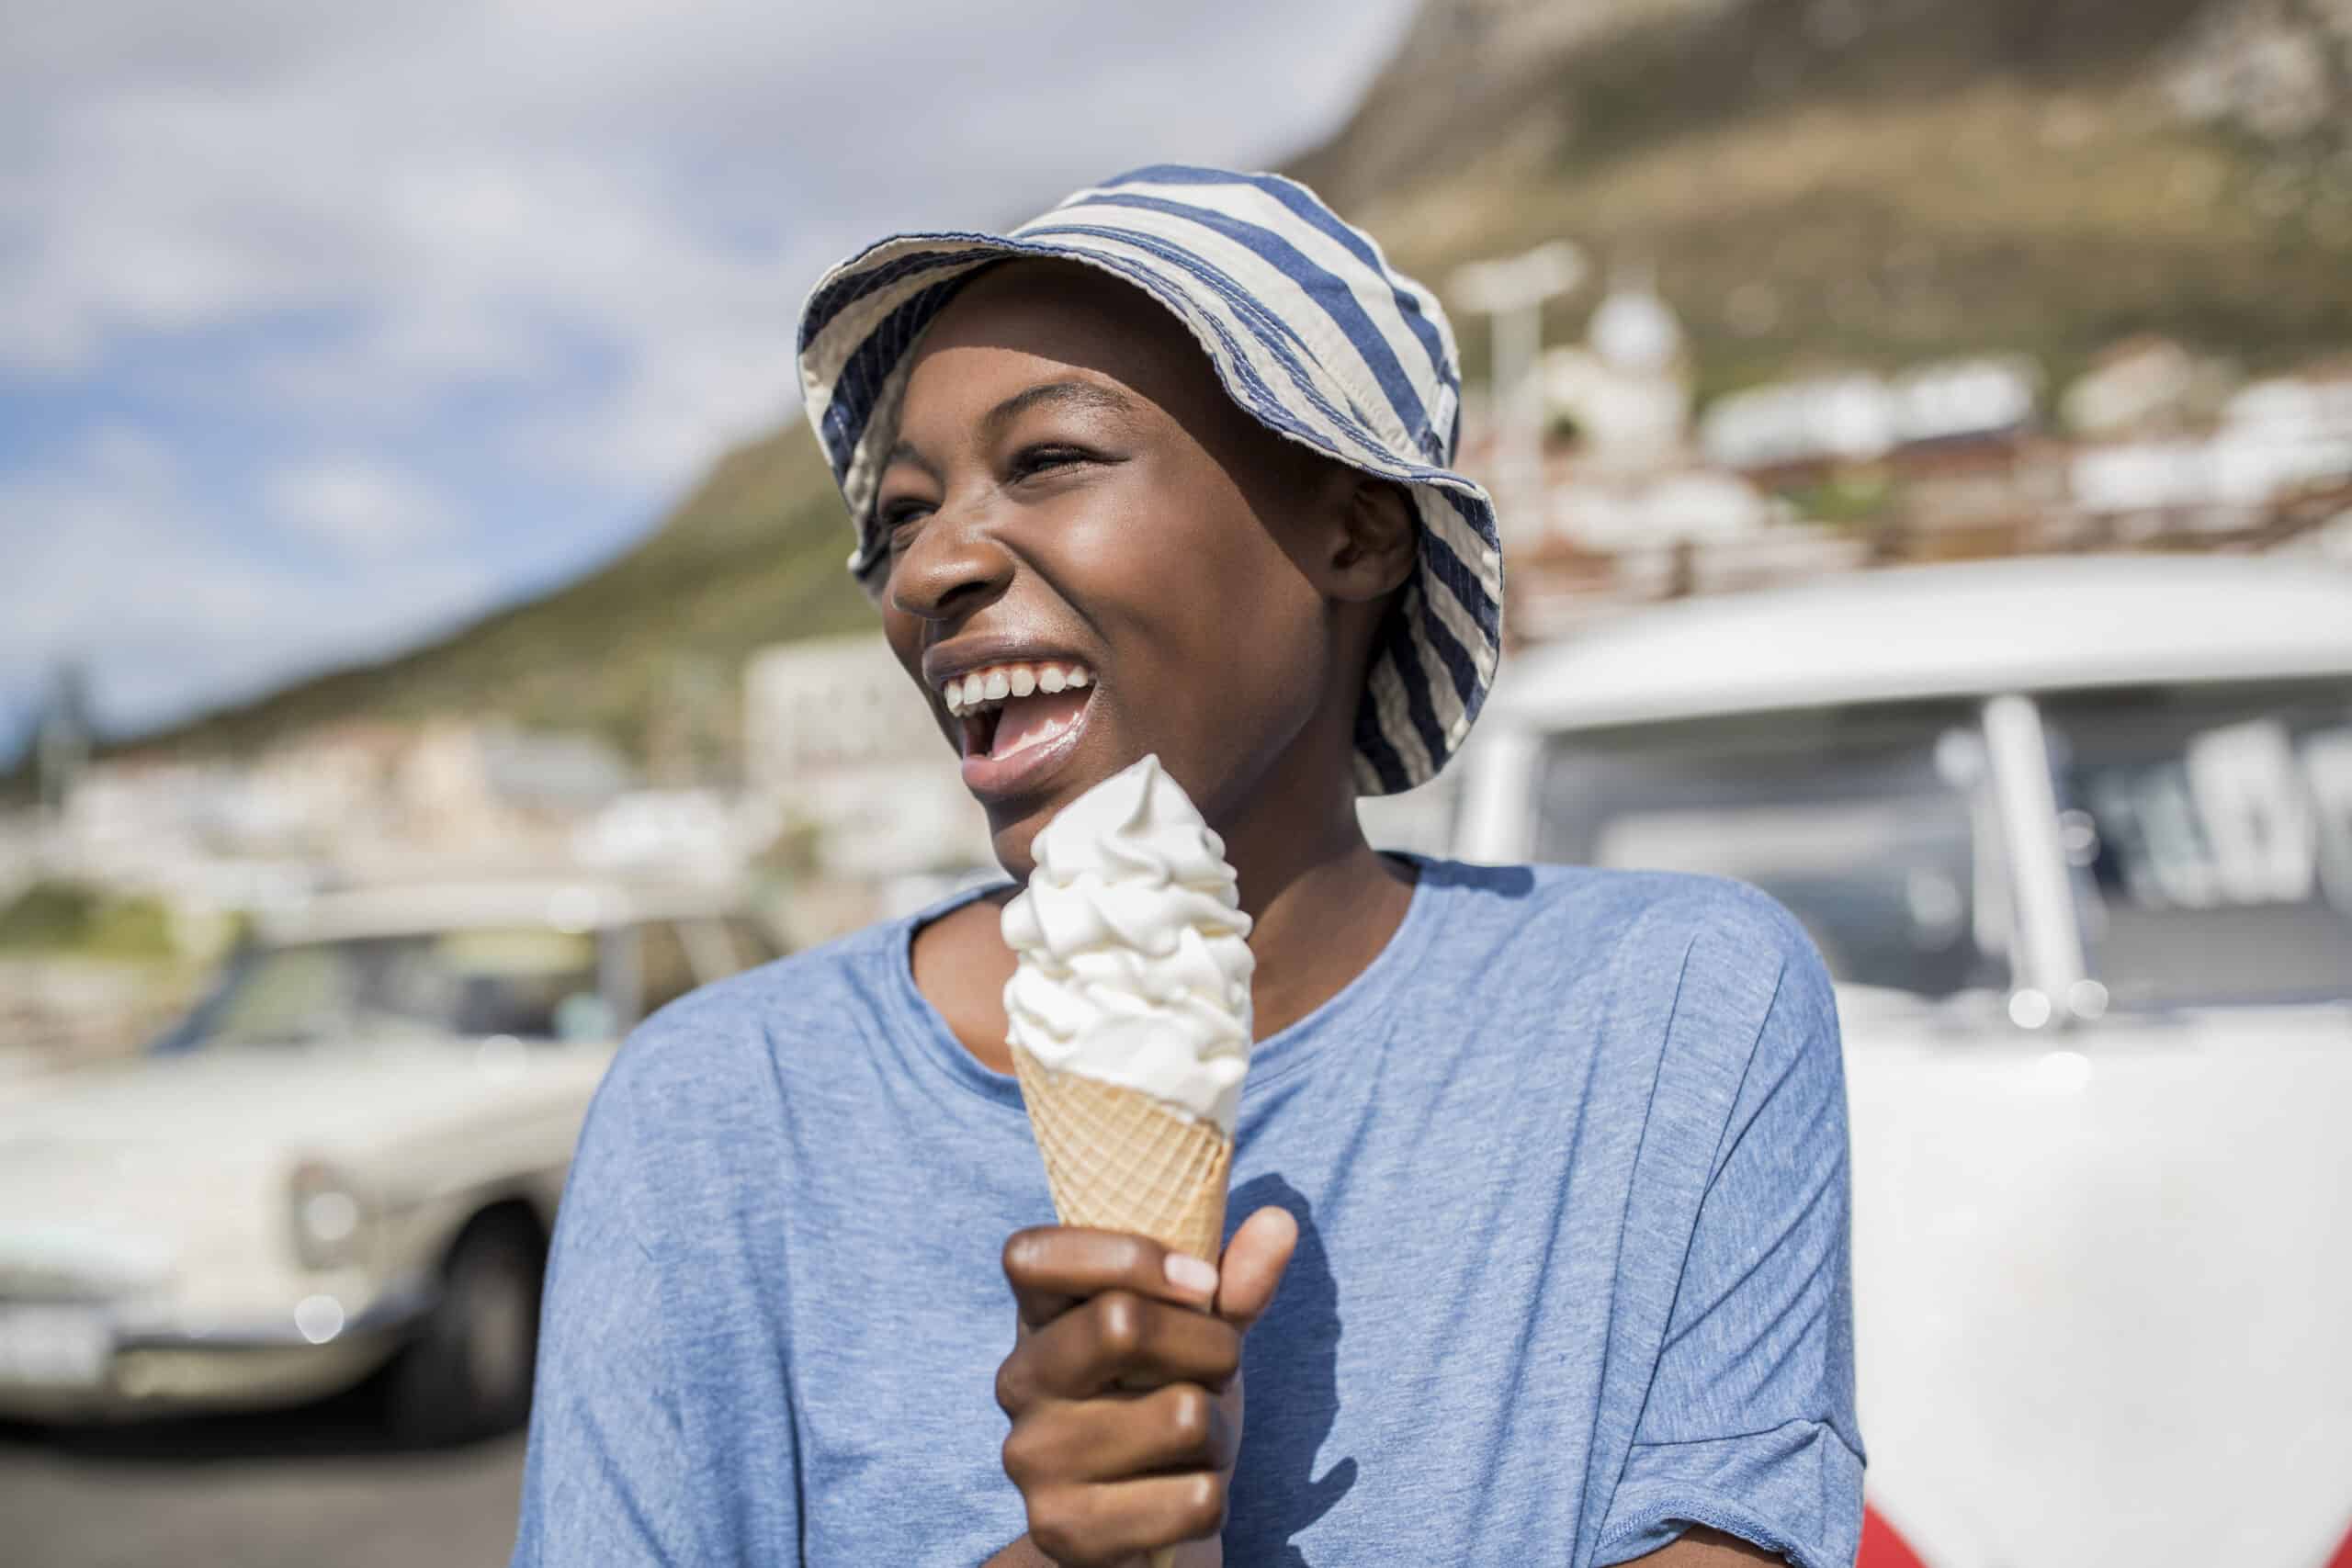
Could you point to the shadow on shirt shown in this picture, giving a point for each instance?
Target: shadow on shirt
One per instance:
(1292, 1399)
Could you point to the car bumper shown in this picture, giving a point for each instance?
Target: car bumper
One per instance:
(91, 1366)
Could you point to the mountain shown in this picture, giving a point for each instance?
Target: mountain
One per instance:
(1806, 180)
(1884, 180)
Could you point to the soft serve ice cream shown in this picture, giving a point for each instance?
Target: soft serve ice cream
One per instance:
(1135, 959)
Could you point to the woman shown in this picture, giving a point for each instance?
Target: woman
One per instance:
(1540, 1173)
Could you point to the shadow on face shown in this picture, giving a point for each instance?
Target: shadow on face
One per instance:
(1095, 554)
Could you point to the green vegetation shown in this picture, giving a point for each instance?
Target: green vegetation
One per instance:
(67, 918)
(1855, 493)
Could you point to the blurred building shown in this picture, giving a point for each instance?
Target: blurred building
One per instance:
(1626, 389)
(1859, 416)
(2279, 442)
(490, 787)
(1947, 460)
(837, 741)
(2142, 385)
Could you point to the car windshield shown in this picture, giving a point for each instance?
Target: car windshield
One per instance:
(1871, 825)
(2211, 834)
(528, 982)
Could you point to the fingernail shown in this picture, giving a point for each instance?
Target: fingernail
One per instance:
(1187, 1272)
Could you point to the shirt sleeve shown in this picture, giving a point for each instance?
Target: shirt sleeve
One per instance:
(610, 1474)
(1749, 1425)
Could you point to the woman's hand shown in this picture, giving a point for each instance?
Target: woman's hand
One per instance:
(1124, 1386)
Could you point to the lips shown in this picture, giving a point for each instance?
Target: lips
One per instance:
(1018, 717)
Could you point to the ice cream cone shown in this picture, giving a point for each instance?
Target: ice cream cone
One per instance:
(1129, 1014)
(1118, 1159)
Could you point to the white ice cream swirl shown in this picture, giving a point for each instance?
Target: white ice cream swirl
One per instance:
(1135, 958)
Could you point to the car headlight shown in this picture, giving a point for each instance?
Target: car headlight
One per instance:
(329, 1214)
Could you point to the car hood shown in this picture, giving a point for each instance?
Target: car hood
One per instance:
(147, 1175)
(321, 1099)
(2101, 1282)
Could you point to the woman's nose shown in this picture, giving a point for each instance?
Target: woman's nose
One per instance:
(952, 569)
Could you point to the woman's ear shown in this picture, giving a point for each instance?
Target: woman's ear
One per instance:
(1376, 541)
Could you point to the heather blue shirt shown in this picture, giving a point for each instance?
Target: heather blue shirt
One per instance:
(1568, 1161)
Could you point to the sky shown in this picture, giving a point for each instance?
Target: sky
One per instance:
(325, 326)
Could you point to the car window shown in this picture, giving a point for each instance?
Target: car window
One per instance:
(532, 982)
(1873, 825)
(754, 945)
(665, 965)
(2212, 835)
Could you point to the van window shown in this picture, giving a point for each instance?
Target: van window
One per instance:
(2211, 830)
(1874, 826)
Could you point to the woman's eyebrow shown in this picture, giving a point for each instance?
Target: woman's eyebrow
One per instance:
(1079, 394)
(907, 452)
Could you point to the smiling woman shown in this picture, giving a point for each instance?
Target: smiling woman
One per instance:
(1065, 454)
(1560, 1154)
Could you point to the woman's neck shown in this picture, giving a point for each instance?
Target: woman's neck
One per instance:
(1323, 908)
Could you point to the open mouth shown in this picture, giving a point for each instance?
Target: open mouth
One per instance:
(1008, 709)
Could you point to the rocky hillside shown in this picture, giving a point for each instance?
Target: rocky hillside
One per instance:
(1886, 179)
(1877, 180)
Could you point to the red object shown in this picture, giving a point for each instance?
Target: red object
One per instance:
(2342, 1557)
(1882, 1548)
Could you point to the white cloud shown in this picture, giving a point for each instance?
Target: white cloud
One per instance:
(115, 562)
(358, 506)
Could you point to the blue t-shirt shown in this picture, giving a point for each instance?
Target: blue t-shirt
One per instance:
(1568, 1161)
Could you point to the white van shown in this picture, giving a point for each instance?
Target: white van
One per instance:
(2076, 837)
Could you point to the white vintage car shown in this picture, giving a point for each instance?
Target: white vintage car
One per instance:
(2076, 837)
(347, 1158)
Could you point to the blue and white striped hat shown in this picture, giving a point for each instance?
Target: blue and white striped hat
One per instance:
(1310, 330)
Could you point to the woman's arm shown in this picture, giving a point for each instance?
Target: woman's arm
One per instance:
(616, 1473)
(1704, 1548)
(1749, 1425)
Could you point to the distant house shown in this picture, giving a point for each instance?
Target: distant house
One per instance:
(1627, 389)
(1858, 416)
(839, 740)
(2277, 438)
(2141, 385)
(495, 792)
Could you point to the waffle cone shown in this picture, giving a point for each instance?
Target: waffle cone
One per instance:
(1118, 1159)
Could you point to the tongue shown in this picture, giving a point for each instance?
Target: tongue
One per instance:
(1034, 720)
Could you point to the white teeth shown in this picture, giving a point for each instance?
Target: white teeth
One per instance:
(965, 694)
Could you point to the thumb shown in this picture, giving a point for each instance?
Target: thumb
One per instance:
(1254, 1261)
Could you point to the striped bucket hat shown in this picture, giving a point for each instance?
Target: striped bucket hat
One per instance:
(1308, 329)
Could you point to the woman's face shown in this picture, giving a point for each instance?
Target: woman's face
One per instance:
(1093, 555)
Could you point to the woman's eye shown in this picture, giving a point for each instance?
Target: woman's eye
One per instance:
(899, 521)
(1043, 459)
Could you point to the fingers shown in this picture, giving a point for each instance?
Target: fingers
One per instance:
(1117, 1340)
(1085, 1526)
(1176, 1428)
(1254, 1261)
(1051, 1268)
